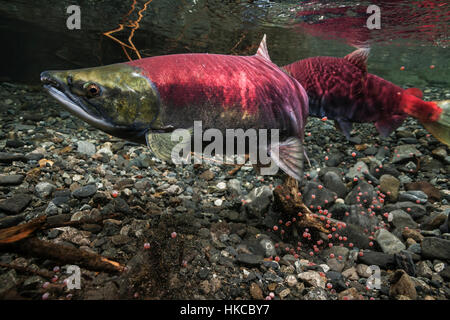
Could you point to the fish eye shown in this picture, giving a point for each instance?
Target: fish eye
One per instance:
(92, 90)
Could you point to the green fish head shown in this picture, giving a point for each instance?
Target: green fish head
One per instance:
(117, 99)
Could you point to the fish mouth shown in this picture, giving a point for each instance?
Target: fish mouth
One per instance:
(441, 127)
(75, 105)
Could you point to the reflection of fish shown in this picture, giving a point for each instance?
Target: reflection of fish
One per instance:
(342, 90)
(147, 99)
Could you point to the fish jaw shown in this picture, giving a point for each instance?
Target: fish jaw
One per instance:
(440, 128)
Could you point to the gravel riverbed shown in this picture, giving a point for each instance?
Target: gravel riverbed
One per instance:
(195, 232)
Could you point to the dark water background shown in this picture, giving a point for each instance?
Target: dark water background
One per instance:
(413, 34)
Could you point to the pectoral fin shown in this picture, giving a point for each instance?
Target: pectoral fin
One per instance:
(289, 155)
(161, 144)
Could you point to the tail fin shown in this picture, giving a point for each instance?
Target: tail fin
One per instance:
(424, 111)
(435, 116)
(441, 128)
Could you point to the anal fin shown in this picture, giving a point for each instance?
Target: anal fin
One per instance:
(386, 126)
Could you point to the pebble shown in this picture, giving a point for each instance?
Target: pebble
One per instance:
(402, 285)
(435, 248)
(16, 204)
(313, 278)
(389, 243)
(44, 189)
(11, 179)
(390, 185)
(85, 192)
(85, 147)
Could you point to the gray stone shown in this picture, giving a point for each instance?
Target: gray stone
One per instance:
(268, 247)
(383, 260)
(357, 171)
(85, 147)
(435, 248)
(405, 152)
(234, 187)
(333, 182)
(16, 204)
(401, 219)
(11, 179)
(362, 193)
(389, 243)
(415, 196)
(258, 200)
(423, 270)
(44, 189)
(85, 191)
(248, 259)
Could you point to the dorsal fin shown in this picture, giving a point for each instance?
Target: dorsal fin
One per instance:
(359, 58)
(262, 50)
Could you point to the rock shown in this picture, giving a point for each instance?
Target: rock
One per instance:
(10, 221)
(335, 265)
(434, 222)
(284, 293)
(360, 217)
(363, 270)
(333, 182)
(313, 278)
(389, 243)
(389, 185)
(355, 234)
(350, 294)
(174, 190)
(6, 157)
(405, 152)
(357, 171)
(415, 196)
(362, 193)
(383, 260)
(317, 196)
(435, 248)
(432, 192)
(16, 204)
(51, 209)
(401, 284)
(11, 179)
(248, 259)
(44, 189)
(445, 274)
(440, 153)
(207, 175)
(401, 219)
(269, 247)
(291, 280)
(316, 293)
(8, 280)
(423, 270)
(258, 200)
(415, 210)
(351, 274)
(85, 192)
(234, 187)
(412, 234)
(85, 147)
(256, 292)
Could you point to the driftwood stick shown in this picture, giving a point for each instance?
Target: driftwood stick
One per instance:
(288, 200)
(64, 254)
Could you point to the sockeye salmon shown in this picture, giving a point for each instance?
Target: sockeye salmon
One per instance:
(341, 89)
(145, 100)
